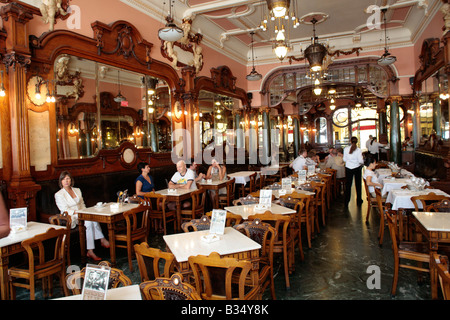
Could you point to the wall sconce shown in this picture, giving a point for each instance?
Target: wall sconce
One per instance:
(177, 109)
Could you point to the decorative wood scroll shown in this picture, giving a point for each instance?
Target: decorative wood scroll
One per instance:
(223, 78)
(186, 51)
(121, 38)
(431, 60)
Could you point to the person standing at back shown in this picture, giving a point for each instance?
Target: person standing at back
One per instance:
(353, 163)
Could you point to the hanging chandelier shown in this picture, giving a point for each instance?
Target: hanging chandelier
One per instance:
(119, 98)
(171, 32)
(316, 52)
(253, 75)
(386, 59)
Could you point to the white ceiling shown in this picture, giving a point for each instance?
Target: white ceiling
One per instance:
(225, 24)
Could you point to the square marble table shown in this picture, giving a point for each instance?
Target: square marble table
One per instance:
(249, 209)
(242, 177)
(232, 244)
(216, 186)
(12, 244)
(103, 214)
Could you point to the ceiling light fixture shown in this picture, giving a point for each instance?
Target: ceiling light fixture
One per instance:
(119, 98)
(386, 59)
(253, 75)
(279, 8)
(316, 52)
(171, 32)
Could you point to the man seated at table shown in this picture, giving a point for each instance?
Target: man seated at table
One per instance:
(336, 162)
(300, 162)
(184, 178)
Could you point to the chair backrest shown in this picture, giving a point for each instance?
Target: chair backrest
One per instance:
(216, 277)
(53, 240)
(262, 233)
(156, 201)
(137, 220)
(440, 206)
(279, 222)
(427, 199)
(172, 288)
(152, 260)
(203, 223)
(232, 219)
(252, 182)
(440, 267)
(198, 199)
(366, 187)
(230, 187)
(117, 278)
(306, 199)
(62, 219)
(392, 219)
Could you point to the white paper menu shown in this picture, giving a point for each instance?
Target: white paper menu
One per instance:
(265, 198)
(286, 183)
(302, 175)
(18, 219)
(218, 219)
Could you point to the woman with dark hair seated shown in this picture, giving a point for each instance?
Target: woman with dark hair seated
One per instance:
(144, 183)
(370, 176)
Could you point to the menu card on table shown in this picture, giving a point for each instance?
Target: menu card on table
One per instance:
(95, 283)
(265, 199)
(286, 184)
(218, 219)
(311, 170)
(302, 175)
(18, 219)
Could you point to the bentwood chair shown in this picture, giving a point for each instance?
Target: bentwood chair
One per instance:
(427, 199)
(136, 229)
(284, 243)
(304, 216)
(441, 206)
(226, 200)
(440, 276)
(232, 219)
(45, 258)
(117, 278)
(382, 207)
(204, 223)
(264, 234)
(159, 211)
(172, 288)
(412, 251)
(197, 209)
(250, 187)
(63, 219)
(218, 278)
(152, 260)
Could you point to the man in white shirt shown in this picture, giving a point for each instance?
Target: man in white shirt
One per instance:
(369, 141)
(300, 162)
(183, 179)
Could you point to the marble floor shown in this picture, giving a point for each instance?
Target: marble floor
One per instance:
(344, 263)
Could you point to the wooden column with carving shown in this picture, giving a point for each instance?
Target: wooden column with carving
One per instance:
(21, 187)
(191, 106)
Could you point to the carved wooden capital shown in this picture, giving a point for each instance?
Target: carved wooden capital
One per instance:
(12, 59)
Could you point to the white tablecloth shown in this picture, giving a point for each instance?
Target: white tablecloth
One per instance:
(392, 184)
(242, 177)
(401, 198)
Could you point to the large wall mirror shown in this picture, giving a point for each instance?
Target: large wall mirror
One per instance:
(216, 119)
(100, 106)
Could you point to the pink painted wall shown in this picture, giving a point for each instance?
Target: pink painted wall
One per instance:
(112, 10)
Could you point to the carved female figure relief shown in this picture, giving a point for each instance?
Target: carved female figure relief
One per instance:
(168, 46)
(49, 9)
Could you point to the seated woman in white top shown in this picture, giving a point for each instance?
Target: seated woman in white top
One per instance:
(216, 172)
(70, 199)
(370, 176)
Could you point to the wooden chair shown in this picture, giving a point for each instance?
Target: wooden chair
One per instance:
(39, 264)
(265, 235)
(250, 186)
(427, 199)
(159, 211)
(226, 200)
(219, 278)
(232, 219)
(441, 206)
(152, 260)
(315, 203)
(382, 207)
(327, 179)
(63, 219)
(334, 186)
(117, 278)
(284, 242)
(203, 223)
(197, 209)
(305, 216)
(413, 251)
(440, 276)
(371, 201)
(172, 288)
(321, 197)
(136, 229)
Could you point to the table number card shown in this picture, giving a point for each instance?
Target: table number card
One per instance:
(302, 175)
(218, 219)
(286, 184)
(265, 198)
(95, 283)
(18, 219)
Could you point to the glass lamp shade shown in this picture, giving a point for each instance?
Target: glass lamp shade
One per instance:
(278, 7)
(317, 91)
(170, 33)
(315, 54)
(386, 59)
(281, 50)
(254, 75)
